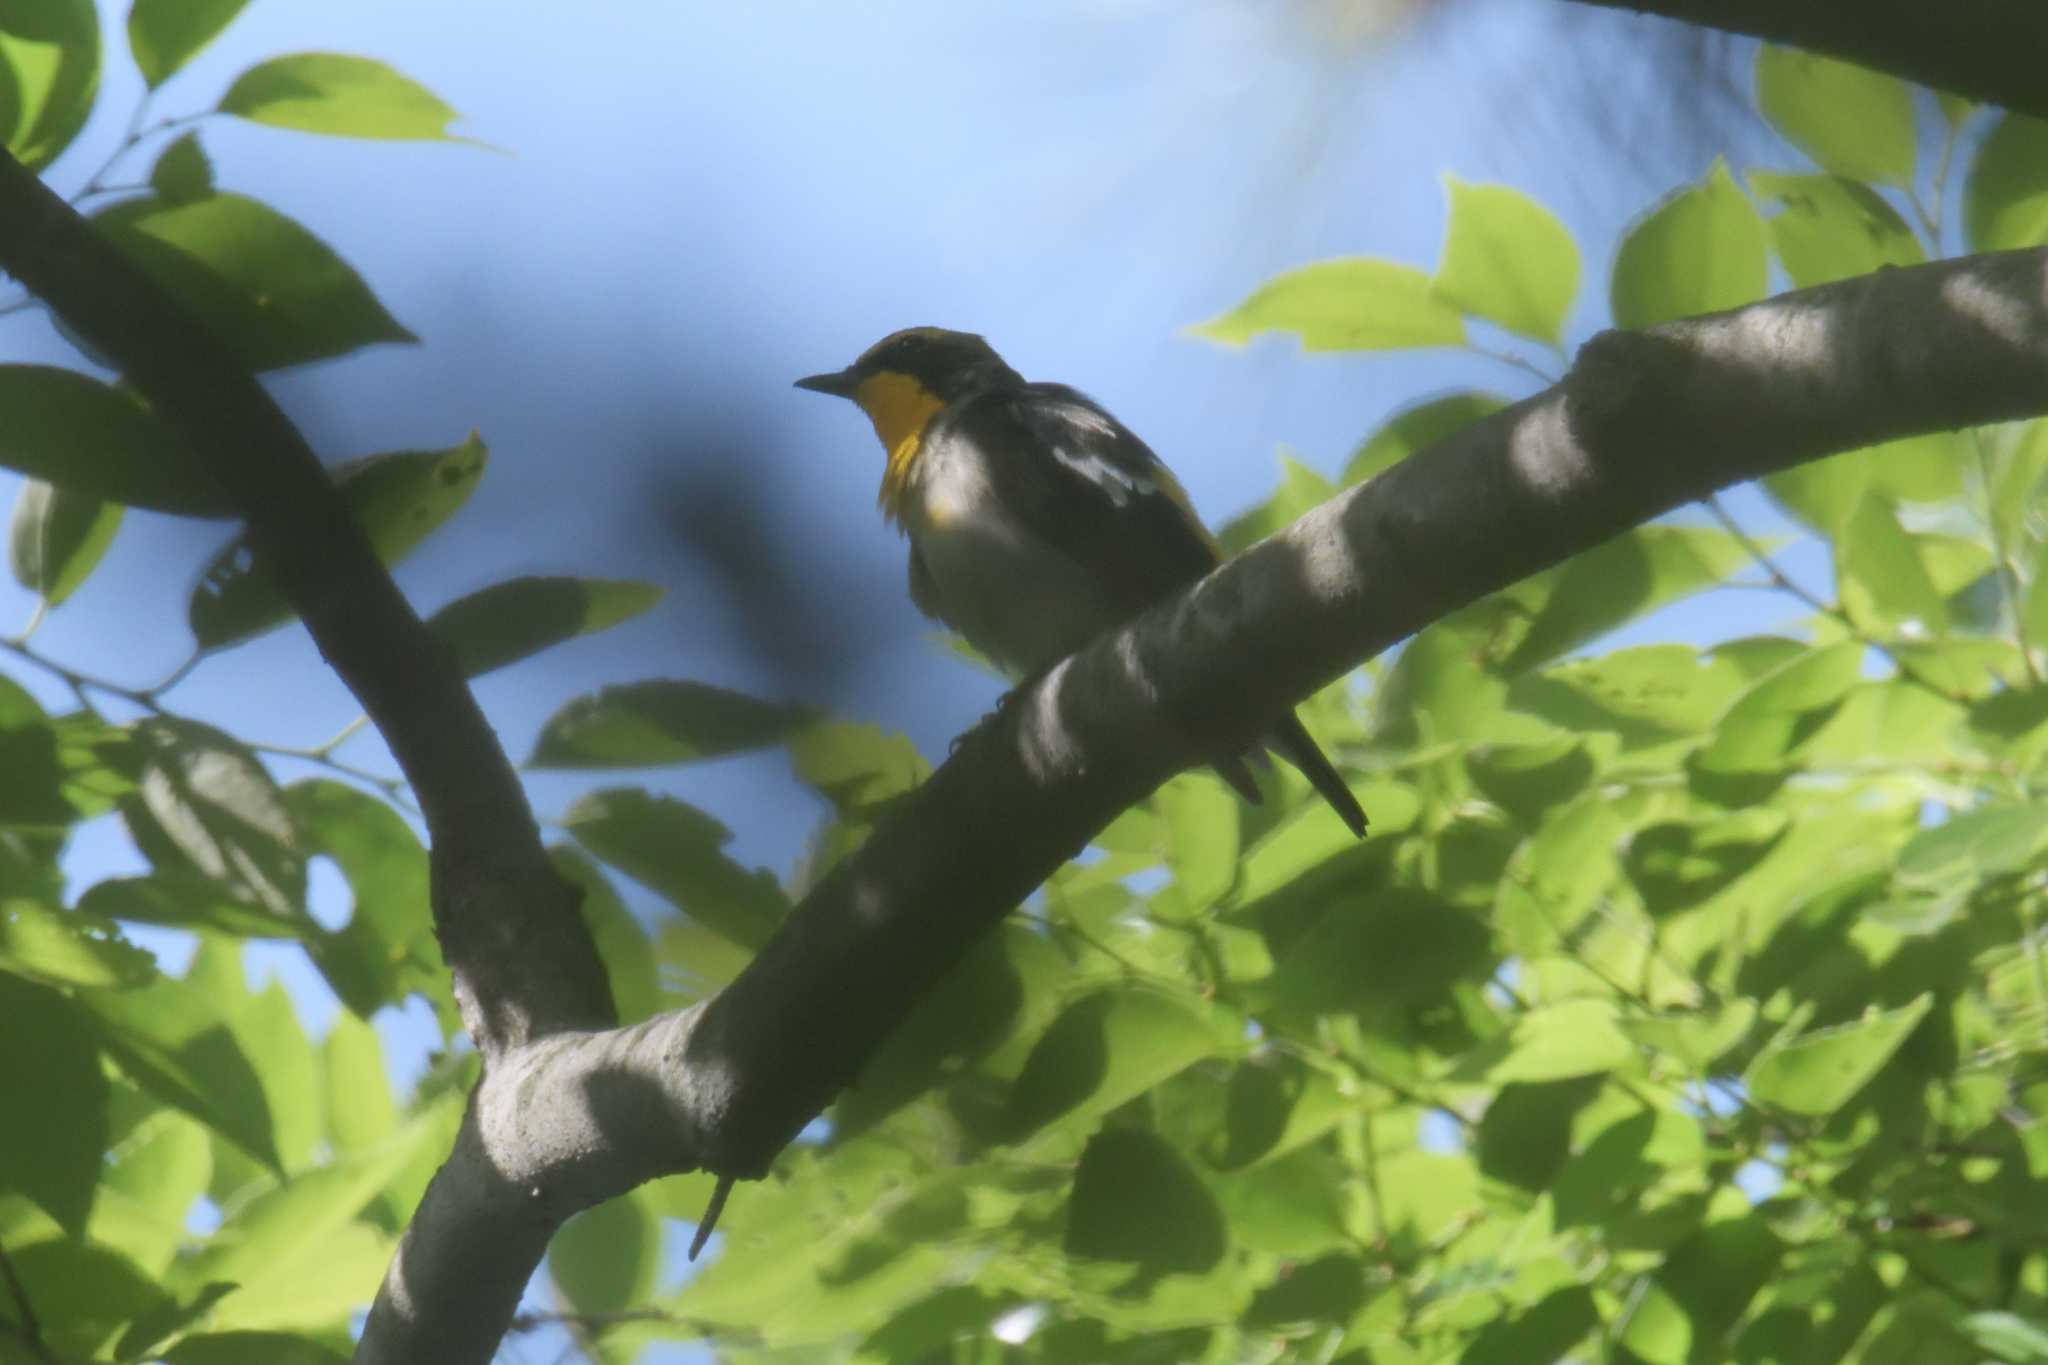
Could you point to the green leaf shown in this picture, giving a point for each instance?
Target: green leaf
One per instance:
(68, 948)
(855, 767)
(2005, 197)
(1137, 1199)
(1551, 1043)
(1700, 251)
(622, 945)
(1616, 582)
(49, 76)
(296, 1253)
(165, 34)
(360, 1112)
(54, 1159)
(604, 1259)
(180, 899)
(2008, 1337)
(251, 1348)
(387, 950)
(1823, 493)
(1550, 1330)
(1277, 1103)
(1508, 260)
(1348, 304)
(57, 538)
(1766, 723)
(507, 622)
(1819, 1072)
(328, 92)
(204, 803)
(677, 850)
(83, 1294)
(1104, 1049)
(1697, 1038)
(182, 174)
(270, 290)
(1345, 961)
(1880, 577)
(1200, 815)
(655, 723)
(98, 441)
(399, 499)
(1827, 228)
(1853, 121)
(1991, 841)
(1417, 428)
(1525, 1136)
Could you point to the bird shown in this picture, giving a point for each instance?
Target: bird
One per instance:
(1036, 520)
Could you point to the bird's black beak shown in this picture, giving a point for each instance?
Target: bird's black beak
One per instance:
(840, 383)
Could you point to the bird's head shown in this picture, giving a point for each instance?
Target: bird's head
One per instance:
(902, 380)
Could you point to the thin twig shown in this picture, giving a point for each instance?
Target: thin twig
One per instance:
(1522, 363)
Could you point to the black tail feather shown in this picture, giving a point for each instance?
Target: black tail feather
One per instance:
(1290, 739)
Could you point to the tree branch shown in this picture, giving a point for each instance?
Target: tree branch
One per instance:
(1989, 50)
(523, 962)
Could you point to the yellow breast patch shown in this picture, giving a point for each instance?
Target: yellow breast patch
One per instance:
(899, 406)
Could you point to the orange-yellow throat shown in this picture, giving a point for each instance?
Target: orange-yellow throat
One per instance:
(899, 407)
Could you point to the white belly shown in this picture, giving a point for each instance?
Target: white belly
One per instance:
(1015, 598)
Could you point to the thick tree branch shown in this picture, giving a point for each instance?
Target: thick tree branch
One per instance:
(1646, 422)
(1989, 50)
(523, 962)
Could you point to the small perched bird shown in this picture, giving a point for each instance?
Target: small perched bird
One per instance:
(1036, 520)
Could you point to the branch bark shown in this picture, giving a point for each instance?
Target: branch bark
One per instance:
(569, 1112)
(1989, 50)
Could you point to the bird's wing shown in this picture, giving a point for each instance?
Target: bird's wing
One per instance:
(923, 592)
(1082, 483)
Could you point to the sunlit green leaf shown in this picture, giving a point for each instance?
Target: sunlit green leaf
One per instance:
(1553, 1043)
(604, 1259)
(510, 621)
(1853, 121)
(1349, 304)
(1882, 581)
(49, 76)
(1760, 730)
(1200, 818)
(1995, 840)
(1819, 1072)
(165, 34)
(399, 499)
(2005, 196)
(183, 172)
(98, 441)
(360, 1112)
(679, 851)
(622, 945)
(1701, 251)
(57, 538)
(205, 804)
(651, 724)
(1827, 228)
(329, 92)
(259, 282)
(1104, 1049)
(68, 948)
(1508, 260)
